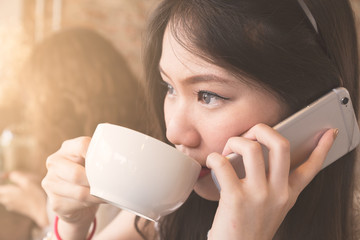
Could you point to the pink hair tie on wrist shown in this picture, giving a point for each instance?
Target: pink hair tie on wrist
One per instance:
(57, 232)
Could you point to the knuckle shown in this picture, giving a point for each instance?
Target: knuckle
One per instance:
(254, 147)
(283, 199)
(261, 197)
(82, 141)
(259, 126)
(231, 141)
(283, 144)
(79, 141)
(82, 195)
(66, 143)
(212, 155)
(49, 161)
(44, 183)
(81, 144)
(219, 162)
(55, 205)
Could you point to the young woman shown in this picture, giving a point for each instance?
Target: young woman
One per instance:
(221, 73)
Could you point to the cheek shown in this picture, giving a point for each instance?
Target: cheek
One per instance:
(215, 134)
(216, 131)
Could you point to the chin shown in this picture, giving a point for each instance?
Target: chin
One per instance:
(206, 188)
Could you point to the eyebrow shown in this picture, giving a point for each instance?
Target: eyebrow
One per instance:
(203, 78)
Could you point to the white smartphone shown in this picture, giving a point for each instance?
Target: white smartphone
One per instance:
(304, 129)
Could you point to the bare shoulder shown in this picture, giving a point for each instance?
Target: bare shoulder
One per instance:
(123, 228)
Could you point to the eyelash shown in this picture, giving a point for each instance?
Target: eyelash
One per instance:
(167, 86)
(202, 93)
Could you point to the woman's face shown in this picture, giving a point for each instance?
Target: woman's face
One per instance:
(206, 105)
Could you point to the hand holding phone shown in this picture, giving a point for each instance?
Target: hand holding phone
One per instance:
(304, 129)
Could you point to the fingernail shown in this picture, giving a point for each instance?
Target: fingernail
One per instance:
(335, 133)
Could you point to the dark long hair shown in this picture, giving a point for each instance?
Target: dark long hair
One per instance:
(273, 44)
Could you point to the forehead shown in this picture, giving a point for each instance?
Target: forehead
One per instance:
(179, 61)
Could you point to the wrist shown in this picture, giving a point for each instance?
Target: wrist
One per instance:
(63, 229)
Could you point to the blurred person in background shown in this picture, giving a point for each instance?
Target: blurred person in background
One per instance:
(72, 81)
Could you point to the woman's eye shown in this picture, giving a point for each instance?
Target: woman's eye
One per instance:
(209, 98)
(170, 89)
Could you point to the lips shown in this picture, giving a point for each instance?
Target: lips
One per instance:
(204, 171)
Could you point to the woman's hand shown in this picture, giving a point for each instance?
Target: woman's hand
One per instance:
(255, 206)
(24, 195)
(68, 189)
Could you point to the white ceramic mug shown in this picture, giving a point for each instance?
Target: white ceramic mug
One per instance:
(138, 173)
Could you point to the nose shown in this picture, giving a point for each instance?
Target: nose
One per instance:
(181, 126)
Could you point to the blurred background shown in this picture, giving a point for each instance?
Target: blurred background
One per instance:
(23, 25)
(26, 23)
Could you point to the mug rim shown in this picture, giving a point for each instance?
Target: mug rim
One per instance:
(157, 141)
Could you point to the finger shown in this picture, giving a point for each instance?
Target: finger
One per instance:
(75, 149)
(302, 175)
(277, 155)
(223, 170)
(68, 190)
(67, 170)
(253, 159)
